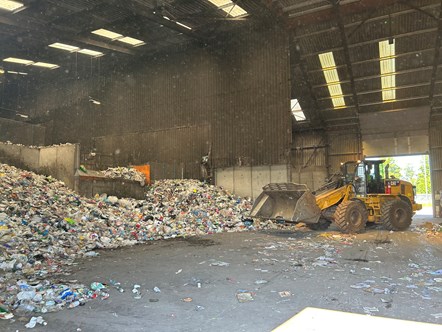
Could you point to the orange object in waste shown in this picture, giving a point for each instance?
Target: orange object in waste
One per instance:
(145, 169)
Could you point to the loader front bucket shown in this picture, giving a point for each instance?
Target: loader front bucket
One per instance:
(290, 202)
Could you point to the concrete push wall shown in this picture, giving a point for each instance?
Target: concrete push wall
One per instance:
(247, 181)
(60, 162)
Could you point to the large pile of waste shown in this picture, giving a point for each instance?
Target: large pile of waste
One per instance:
(44, 227)
(126, 173)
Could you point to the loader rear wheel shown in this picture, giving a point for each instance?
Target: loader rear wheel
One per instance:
(396, 215)
(351, 216)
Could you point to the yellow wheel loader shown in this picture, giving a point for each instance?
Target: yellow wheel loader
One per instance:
(363, 192)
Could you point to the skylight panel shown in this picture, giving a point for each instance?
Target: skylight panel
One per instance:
(338, 102)
(19, 61)
(107, 34)
(229, 7)
(220, 3)
(10, 5)
(234, 10)
(387, 62)
(131, 41)
(92, 53)
(331, 76)
(64, 47)
(296, 110)
(45, 65)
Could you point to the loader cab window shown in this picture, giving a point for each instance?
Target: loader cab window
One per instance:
(360, 180)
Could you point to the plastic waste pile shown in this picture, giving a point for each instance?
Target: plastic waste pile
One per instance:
(126, 173)
(44, 227)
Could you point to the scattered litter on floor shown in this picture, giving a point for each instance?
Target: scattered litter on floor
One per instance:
(199, 308)
(136, 292)
(156, 289)
(5, 314)
(261, 282)
(369, 310)
(285, 294)
(187, 299)
(436, 273)
(437, 316)
(154, 300)
(219, 263)
(116, 285)
(179, 271)
(34, 321)
(244, 296)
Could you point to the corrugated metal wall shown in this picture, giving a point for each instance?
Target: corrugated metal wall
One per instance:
(309, 158)
(436, 162)
(21, 132)
(138, 148)
(343, 146)
(240, 88)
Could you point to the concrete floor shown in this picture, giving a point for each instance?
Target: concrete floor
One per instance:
(289, 261)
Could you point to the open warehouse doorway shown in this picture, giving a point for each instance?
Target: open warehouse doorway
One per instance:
(416, 170)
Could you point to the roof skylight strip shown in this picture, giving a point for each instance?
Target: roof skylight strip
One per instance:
(331, 76)
(231, 8)
(387, 63)
(10, 5)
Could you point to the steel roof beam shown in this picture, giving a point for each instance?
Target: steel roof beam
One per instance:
(408, 86)
(396, 36)
(364, 78)
(377, 18)
(400, 55)
(337, 12)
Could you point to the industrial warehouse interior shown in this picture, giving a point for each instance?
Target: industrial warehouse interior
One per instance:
(220, 165)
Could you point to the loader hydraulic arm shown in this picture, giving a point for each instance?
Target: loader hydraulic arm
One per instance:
(334, 196)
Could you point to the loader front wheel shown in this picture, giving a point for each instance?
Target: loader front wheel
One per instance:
(396, 215)
(351, 216)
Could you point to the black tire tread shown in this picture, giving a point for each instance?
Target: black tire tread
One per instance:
(340, 216)
(386, 212)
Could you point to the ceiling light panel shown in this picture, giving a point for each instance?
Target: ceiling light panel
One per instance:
(107, 34)
(45, 65)
(387, 63)
(19, 61)
(92, 53)
(10, 5)
(131, 41)
(183, 25)
(64, 47)
(331, 76)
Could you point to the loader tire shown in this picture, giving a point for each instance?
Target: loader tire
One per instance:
(351, 216)
(396, 215)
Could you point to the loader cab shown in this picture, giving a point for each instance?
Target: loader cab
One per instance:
(366, 176)
(375, 176)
